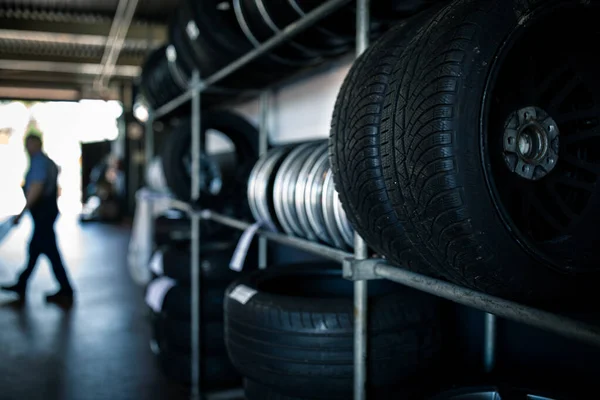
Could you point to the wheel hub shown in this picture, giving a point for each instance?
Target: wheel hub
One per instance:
(531, 143)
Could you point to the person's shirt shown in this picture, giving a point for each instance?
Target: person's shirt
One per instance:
(42, 170)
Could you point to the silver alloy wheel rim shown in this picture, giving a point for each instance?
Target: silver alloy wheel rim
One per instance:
(342, 221)
(262, 192)
(251, 191)
(328, 210)
(282, 186)
(313, 204)
(239, 15)
(302, 197)
(290, 186)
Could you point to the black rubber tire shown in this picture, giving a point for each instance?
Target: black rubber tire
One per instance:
(216, 372)
(354, 147)
(295, 334)
(244, 137)
(177, 303)
(176, 232)
(220, 42)
(431, 154)
(214, 263)
(256, 391)
(177, 335)
(290, 50)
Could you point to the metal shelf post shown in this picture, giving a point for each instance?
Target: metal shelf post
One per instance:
(263, 147)
(489, 342)
(195, 245)
(360, 246)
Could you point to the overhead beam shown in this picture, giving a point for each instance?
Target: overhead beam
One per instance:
(36, 93)
(143, 31)
(115, 41)
(126, 58)
(126, 71)
(72, 38)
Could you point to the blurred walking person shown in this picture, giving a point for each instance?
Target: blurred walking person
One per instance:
(41, 193)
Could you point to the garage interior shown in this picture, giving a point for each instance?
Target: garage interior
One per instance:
(295, 200)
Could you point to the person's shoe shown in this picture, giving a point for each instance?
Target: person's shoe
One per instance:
(16, 288)
(62, 296)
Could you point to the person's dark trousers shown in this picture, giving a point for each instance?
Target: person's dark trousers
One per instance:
(43, 241)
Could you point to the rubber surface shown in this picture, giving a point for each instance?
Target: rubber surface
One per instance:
(295, 334)
(354, 147)
(430, 145)
(244, 137)
(214, 264)
(216, 372)
(177, 335)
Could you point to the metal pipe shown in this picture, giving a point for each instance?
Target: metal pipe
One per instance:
(196, 140)
(71, 38)
(126, 71)
(489, 342)
(115, 40)
(311, 247)
(263, 146)
(290, 31)
(360, 246)
(148, 143)
(494, 305)
(196, 307)
(195, 261)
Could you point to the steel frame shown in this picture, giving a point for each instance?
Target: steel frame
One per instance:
(357, 267)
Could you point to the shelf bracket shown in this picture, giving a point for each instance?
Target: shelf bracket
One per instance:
(360, 270)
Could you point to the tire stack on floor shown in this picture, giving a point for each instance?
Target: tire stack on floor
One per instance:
(291, 190)
(289, 332)
(207, 35)
(169, 298)
(460, 152)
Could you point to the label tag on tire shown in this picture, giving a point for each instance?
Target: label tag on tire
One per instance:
(156, 263)
(192, 30)
(242, 293)
(241, 251)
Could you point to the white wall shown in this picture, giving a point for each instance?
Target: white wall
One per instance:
(302, 110)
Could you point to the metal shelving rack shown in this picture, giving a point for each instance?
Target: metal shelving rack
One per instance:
(356, 267)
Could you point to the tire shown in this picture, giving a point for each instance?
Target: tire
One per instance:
(176, 302)
(439, 166)
(354, 147)
(245, 140)
(294, 334)
(215, 258)
(177, 335)
(176, 232)
(216, 372)
(220, 41)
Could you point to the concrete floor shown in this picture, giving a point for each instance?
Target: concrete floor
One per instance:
(99, 349)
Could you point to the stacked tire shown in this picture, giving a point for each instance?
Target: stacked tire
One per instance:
(169, 297)
(207, 35)
(450, 165)
(291, 190)
(224, 175)
(289, 332)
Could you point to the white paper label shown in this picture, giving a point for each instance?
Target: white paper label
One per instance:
(156, 292)
(241, 251)
(156, 263)
(192, 30)
(242, 293)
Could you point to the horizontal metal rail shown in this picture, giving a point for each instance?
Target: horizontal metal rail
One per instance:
(545, 320)
(288, 32)
(494, 305)
(311, 247)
